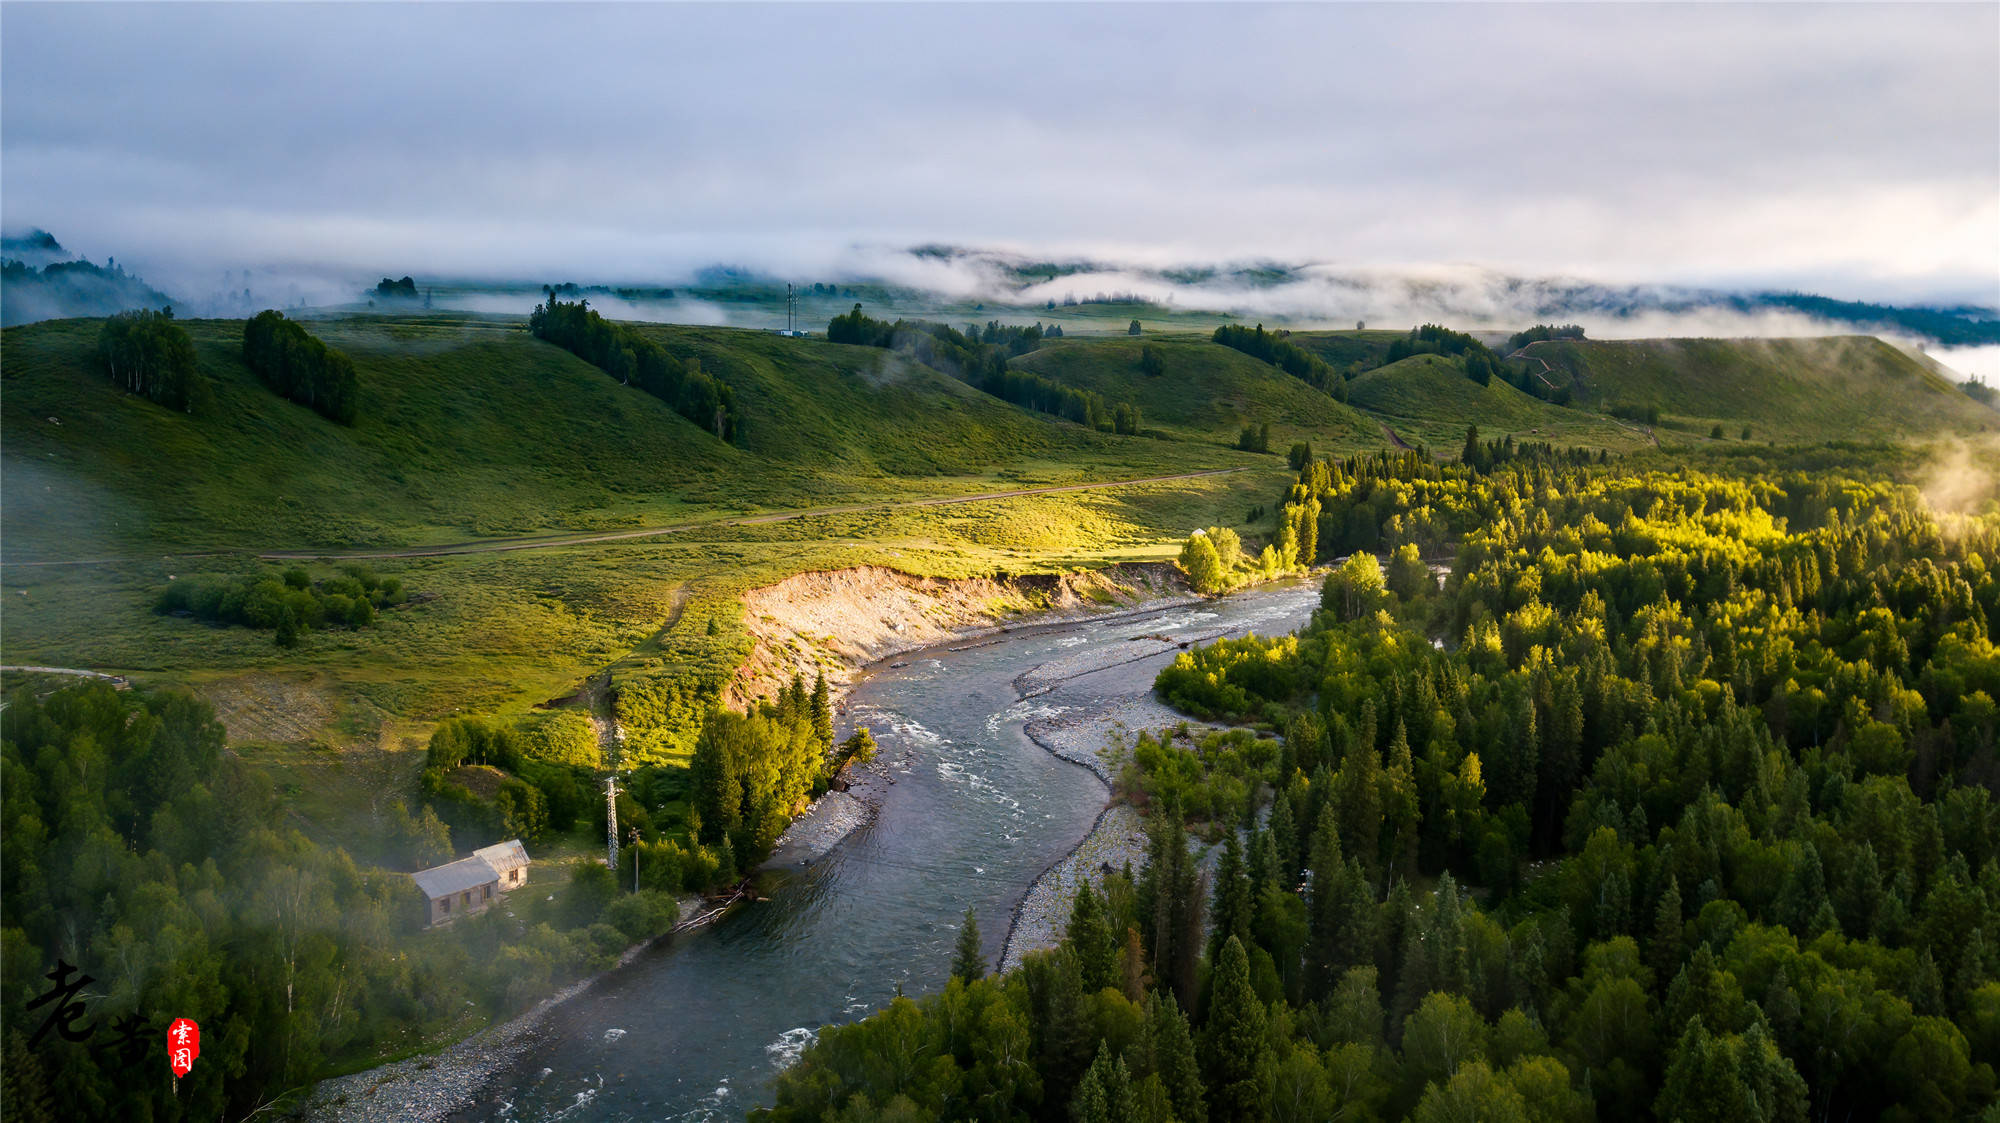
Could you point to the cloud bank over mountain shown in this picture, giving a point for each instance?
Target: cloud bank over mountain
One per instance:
(1850, 149)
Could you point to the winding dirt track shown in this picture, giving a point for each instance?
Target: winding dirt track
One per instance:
(1547, 370)
(1543, 373)
(500, 545)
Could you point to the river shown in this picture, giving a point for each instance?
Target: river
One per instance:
(971, 812)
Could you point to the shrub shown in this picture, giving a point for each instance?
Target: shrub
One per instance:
(290, 604)
(564, 738)
(643, 915)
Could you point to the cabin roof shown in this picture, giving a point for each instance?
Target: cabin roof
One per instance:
(455, 877)
(504, 856)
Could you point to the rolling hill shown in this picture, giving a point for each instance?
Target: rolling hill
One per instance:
(1789, 390)
(1344, 349)
(471, 427)
(1206, 392)
(1428, 398)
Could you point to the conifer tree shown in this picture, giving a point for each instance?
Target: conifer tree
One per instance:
(822, 713)
(1174, 1058)
(1664, 953)
(1233, 1041)
(1090, 940)
(1233, 901)
(1358, 788)
(1105, 1094)
(1285, 840)
(1324, 956)
(1170, 896)
(968, 960)
(1132, 966)
(1803, 892)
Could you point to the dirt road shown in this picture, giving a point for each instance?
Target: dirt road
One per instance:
(1547, 370)
(115, 680)
(499, 545)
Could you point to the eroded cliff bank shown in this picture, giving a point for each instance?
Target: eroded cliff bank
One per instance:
(840, 621)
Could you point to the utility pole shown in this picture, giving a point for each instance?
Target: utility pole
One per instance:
(791, 307)
(611, 822)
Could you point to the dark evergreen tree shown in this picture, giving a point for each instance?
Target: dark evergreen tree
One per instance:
(1174, 1058)
(1233, 900)
(1233, 1044)
(1326, 959)
(968, 960)
(822, 713)
(1090, 940)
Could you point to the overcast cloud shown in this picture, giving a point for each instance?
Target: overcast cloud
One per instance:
(1853, 150)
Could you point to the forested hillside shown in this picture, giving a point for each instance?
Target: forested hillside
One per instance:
(69, 288)
(1675, 802)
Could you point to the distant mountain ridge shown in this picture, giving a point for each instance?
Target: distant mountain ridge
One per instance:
(1298, 291)
(940, 281)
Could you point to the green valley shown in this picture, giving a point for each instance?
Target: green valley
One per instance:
(530, 552)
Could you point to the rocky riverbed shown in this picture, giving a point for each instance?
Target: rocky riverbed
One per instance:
(1099, 738)
(814, 834)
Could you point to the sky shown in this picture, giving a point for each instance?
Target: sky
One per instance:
(1852, 150)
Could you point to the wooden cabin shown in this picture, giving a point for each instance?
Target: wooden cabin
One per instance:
(509, 859)
(458, 888)
(472, 884)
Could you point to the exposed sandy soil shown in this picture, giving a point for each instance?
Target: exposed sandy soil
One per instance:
(839, 621)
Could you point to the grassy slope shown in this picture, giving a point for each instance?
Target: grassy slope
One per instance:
(1343, 349)
(469, 428)
(1793, 390)
(1208, 392)
(1428, 398)
(472, 428)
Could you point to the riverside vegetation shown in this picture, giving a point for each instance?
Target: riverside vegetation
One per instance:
(1689, 816)
(261, 860)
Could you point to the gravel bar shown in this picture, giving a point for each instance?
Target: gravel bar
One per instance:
(1098, 740)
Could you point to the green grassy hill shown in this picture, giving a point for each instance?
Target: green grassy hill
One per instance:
(1428, 398)
(1207, 392)
(470, 427)
(1343, 349)
(1789, 390)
